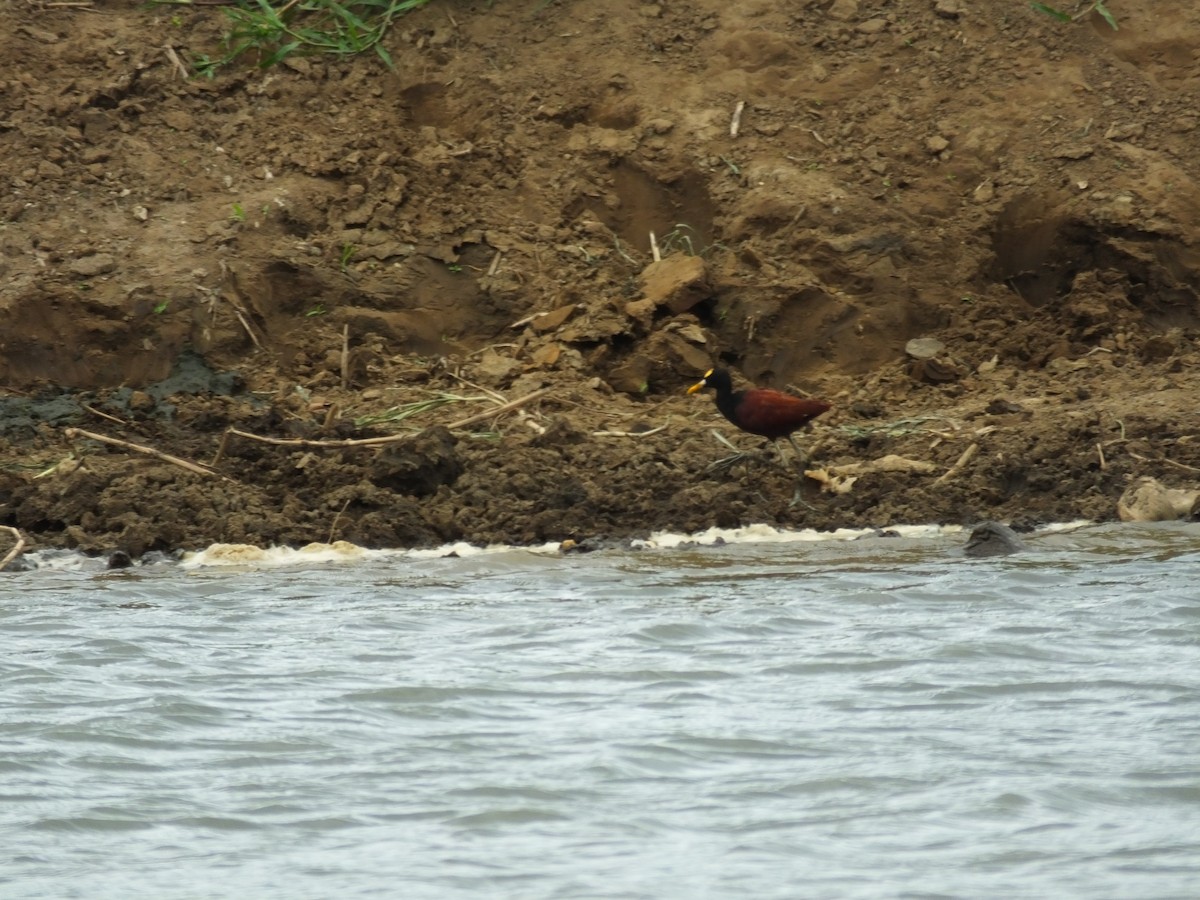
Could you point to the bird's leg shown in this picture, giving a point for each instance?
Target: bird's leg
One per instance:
(727, 462)
(798, 498)
(802, 462)
(801, 456)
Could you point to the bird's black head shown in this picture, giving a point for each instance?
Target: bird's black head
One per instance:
(717, 379)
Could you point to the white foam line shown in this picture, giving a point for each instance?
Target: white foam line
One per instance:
(252, 557)
(749, 534)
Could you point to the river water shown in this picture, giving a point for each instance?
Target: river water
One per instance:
(765, 719)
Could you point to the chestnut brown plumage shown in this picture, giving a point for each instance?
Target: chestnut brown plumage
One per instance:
(761, 411)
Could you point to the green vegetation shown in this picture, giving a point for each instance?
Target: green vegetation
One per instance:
(679, 239)
(407, 410)
(271, 30)
(1096, 6)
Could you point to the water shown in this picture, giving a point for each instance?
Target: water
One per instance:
(870, 719)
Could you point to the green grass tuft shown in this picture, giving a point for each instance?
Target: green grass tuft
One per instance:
(270, 30)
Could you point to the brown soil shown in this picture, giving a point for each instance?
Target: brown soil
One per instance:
(178, 257)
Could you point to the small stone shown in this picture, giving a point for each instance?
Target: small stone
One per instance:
(1075, 151)
(678, 282)
(179, 119)
(552, 320)
(984, 193)
(90, 266)
(844, 10)
(872, 26)
(140, 401)
(1124, 132)
(1149, 500)
(936, 144)
(924, 348)
(494, 367)
(661, 126)
(947, 9)
(547, 356)
(140, 213)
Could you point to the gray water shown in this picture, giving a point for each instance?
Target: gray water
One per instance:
(869, 719)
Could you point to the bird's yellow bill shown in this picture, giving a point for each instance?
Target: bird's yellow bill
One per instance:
(701, 384)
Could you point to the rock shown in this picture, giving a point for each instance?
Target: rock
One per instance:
(418, 466)
(632, 376)
(1076, 151)
(947, 9)
(119, 560)
(992, 539)
(179, 119)
(546, 356)
(843, 10)
(872, 26)
(493, 367)
(936, 144)
(552, 320)
(678, 282)
(1148, 500)
(91, 266)
(1124, 132)
(924, 348)
(935, 371)
(1001, 407)
(561, 432)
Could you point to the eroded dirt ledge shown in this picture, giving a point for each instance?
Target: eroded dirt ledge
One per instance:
(184, 257)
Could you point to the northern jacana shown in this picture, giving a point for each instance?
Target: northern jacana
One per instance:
(762, 411)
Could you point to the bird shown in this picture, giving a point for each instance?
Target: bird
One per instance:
(762, 411)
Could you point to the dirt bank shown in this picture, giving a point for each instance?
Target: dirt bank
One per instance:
(308, 251)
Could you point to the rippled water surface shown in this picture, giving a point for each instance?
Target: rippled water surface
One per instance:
(880, 718)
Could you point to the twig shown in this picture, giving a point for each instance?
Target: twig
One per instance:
(72, 433)
(654, 251)
(529, 318)
(387, 439)
(245, 324)
(636, 434)
(231, 278)
(495, 266)
(1100, 453)
(333, 525)
(1163, 459)
(17, 547)
(735, 124)
(958, 466)
(176, 62)
(104, 415)
(221, 449)
(345, 357)
(507, 407)
(495, 395)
